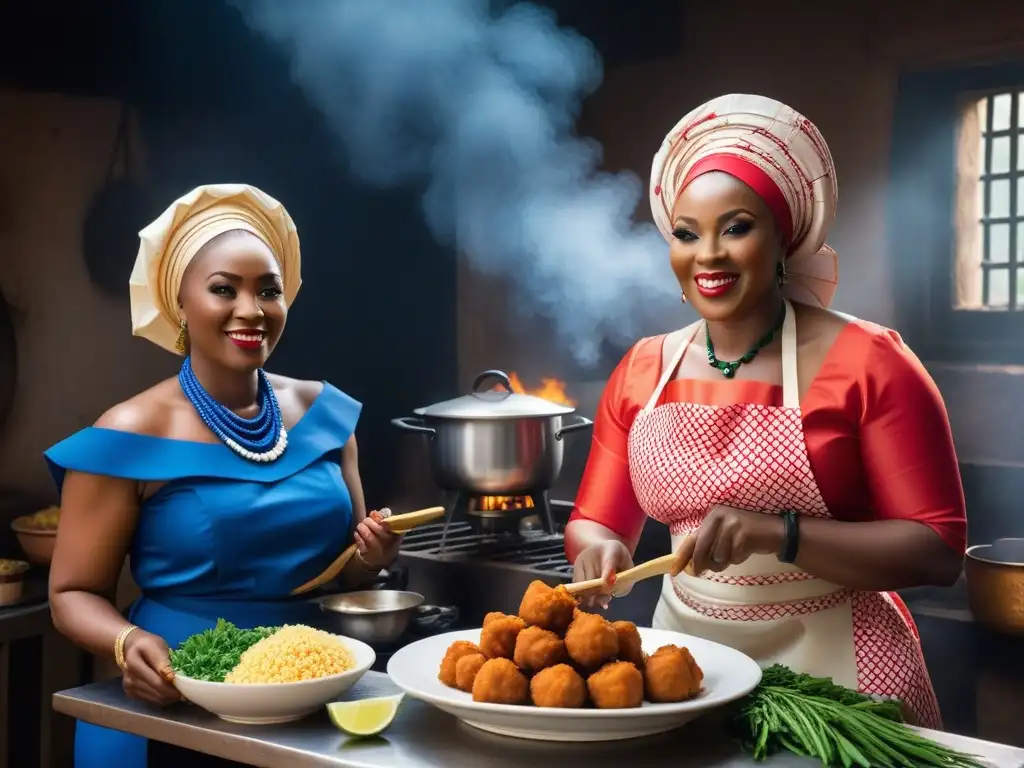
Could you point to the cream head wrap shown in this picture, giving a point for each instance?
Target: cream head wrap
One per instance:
(168, 245)
(779, 154)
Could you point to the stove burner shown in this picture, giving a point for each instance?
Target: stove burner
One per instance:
(459, 540)
(502, 520)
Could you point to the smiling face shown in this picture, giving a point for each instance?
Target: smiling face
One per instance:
(725, 247)
(232, 297)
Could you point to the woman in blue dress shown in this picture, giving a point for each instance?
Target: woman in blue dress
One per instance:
(227, 486)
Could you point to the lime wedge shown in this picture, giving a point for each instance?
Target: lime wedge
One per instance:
(364, 717)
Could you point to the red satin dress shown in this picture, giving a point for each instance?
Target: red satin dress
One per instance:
(870, 440)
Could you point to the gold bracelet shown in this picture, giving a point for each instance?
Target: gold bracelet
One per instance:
(119, 646)
(365, 565)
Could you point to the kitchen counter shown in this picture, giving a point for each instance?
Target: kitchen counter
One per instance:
(424, 737)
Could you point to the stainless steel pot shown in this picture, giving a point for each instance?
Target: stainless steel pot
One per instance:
(493, 442)
(995, 585)
(380, 616)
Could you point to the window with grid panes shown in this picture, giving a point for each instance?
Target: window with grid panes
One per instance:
(989, 203)
(955, 212)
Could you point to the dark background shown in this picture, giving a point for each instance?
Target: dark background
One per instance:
(376, 313)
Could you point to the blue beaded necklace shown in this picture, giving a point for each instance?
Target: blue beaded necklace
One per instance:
(262, 438)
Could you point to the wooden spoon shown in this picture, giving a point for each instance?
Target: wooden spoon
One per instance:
(396, 523)
(659, 566)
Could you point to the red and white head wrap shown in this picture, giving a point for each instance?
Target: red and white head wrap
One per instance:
(779, 154)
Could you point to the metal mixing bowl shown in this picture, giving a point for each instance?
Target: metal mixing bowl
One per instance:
(376, 617)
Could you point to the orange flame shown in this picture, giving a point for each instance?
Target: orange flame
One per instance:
(503, 503)
(550, 389)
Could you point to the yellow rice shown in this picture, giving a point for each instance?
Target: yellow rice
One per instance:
(293, 653)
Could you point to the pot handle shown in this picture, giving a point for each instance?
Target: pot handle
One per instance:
(410, 424)
(583, 423)
(501, 376)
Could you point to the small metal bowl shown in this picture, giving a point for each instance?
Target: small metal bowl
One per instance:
(376, 617)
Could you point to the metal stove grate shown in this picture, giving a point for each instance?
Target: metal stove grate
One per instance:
(532, 549)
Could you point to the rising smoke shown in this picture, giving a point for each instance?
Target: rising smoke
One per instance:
(478, 107)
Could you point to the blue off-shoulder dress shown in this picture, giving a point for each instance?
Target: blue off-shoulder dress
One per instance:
(224, 537)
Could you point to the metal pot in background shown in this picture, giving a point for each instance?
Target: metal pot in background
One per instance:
(495, 442)
(382, 616)
(995, 585)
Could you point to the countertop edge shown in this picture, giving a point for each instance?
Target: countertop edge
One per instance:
(231, 746)
(167, 731)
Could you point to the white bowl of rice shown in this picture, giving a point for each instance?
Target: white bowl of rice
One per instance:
(284, 677)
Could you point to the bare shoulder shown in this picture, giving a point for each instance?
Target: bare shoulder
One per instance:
(296, 395)
(151, 412)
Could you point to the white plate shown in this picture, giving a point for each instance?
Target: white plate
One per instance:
(728, 675)
(267, 703)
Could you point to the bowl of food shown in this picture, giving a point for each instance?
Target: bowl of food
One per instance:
(37, 533)
(268, 674)
(12, 580)
(556, 673)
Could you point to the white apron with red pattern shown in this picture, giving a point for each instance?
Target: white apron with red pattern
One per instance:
(684, 460)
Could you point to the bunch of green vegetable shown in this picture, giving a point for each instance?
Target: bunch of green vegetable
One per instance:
(814, 717)
(211, 654)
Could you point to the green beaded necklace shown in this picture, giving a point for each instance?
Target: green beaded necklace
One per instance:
(729, 368)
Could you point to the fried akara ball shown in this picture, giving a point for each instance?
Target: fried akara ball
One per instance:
(630, 645)
(499, 681)
(672, 675)
(498, 637)
(547, 607)
(491, 617)
(537, 649)
(591, 640)
(466, 669)
(618, 685)
(559, 686)
(455, 651)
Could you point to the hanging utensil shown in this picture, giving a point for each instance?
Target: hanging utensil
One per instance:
(119, 210)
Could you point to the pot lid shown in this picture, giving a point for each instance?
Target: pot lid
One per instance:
(494, 404)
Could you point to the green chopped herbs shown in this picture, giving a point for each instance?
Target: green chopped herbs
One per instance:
(211, 654)
(814, 717)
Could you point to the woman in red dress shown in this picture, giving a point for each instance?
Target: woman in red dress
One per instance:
(802, 459)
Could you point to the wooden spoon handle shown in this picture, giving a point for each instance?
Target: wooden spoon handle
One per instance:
(659, 566)
(579, 587)
(396, 523)
(330, 574)
(409, 520)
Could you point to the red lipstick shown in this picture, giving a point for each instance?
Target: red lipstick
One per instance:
(247, 340)
(714, 284)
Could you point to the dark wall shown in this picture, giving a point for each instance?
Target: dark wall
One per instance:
(376, 313)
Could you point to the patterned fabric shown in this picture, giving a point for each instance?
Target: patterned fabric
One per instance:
(889, 657)
(685, 459)
(770, 140)
(168, 245)
(746, 456)
(874, 424)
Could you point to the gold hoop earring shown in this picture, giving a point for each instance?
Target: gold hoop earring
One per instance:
(181, 345)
